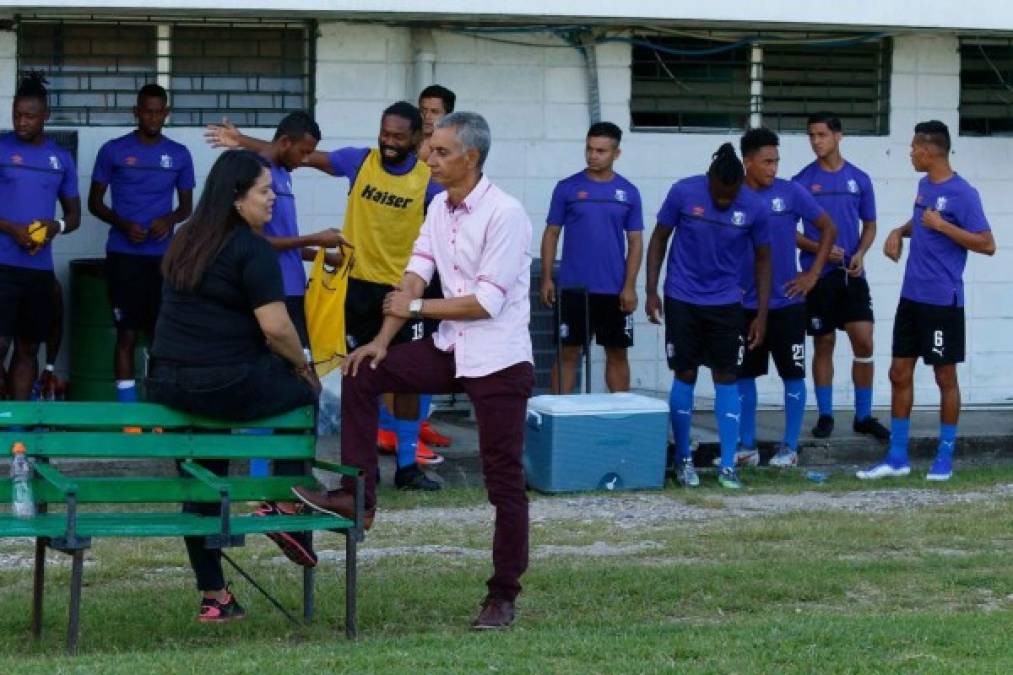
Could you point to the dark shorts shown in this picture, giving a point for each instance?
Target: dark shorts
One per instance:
(434, 291)
(703, 335)
(135, 289)
(610, 326)
(296, 306)
(785, 341)
(364, 315)
(933, 332)
(26, 303)
(836, 301)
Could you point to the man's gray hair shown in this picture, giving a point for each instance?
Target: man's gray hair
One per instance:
(472, 130)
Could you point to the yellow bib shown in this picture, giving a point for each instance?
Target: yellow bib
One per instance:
(383, 219)
(325, 312)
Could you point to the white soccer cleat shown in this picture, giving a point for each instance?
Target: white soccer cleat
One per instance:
(884, 470)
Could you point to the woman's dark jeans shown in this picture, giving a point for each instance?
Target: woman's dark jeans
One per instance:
(238, 392)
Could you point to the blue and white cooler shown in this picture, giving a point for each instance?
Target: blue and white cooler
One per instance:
(595, 442)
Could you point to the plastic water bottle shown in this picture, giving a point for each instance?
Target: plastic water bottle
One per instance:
(22, 504)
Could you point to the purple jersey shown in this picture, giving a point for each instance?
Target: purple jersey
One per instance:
(346, 162)
(786, 203)
(32, 178)
(283, 223)
(845, 194)
(935, 265)
(709, 245)
(143, 180)
(595, 217)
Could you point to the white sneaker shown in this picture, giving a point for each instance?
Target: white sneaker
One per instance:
(743, 457)
(884, 470)
(784, 457)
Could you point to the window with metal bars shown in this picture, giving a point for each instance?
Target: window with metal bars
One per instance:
(986, 92)
(252, 73)
(696, 84)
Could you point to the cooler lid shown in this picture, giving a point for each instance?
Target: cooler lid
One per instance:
(595, 404)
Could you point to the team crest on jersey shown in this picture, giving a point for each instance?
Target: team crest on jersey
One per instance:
(852, 186)
(777, 205)
(738, 218)
(670, 350)
(165, 162)
(130, 161)
(564, 330)
(940, 203)
(620, 195)
(16, 159)
(54, 162)
(816, 323)
(582, 194)
(816, 187)
(698, 210)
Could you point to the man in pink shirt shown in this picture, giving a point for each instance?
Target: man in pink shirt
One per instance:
(479, 239)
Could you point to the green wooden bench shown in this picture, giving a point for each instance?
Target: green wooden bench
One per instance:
(87, 431)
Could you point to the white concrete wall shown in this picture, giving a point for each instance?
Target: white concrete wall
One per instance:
(944, 14)
(535, 100)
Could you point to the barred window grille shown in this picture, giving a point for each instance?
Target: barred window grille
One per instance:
(986, 87)
(252, 73)
(729, 83)
(851, 81)
(690, 92)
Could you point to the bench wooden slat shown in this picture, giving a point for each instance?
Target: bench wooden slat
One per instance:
(142, 490)
(162, 524)
(84, 415)
(179, 445)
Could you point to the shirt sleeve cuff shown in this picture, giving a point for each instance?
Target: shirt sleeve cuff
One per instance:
(422, 265)
(491, 296)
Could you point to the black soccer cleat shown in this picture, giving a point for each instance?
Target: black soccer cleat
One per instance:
(824, 426)
(872, 427)
(411, 477)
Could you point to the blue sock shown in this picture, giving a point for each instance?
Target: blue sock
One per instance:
(425, 406)
(794, 411)
(728, 411)
(407, 441)
(126, 391)
(900, 429)
(680, 409)
(947, 440)
(386, 419)
(747, 400)
(863, 403)
(825, 400)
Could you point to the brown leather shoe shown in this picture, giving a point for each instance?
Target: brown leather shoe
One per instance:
(336, 503)
(496, 614)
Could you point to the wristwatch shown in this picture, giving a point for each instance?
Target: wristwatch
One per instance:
(62, 224)
(415, 307)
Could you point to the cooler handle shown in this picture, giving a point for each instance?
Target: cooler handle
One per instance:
(535, 420)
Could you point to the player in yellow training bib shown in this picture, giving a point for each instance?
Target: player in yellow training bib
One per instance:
(389, 191)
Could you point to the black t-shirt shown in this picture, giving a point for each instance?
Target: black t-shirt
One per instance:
(215, 325)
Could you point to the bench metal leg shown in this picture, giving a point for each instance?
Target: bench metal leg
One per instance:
(351, 550)
(73, 625)
(38, 586)
(307, 594)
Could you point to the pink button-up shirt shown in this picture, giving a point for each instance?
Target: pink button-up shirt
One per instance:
(480, 248)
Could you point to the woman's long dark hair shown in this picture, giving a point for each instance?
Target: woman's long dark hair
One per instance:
(214, 220)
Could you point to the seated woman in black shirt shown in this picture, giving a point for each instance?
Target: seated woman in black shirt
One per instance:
(224, 345)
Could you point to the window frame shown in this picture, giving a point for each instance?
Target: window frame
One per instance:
(164, 70)
(753, 108)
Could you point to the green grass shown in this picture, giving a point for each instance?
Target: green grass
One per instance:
(927, 590)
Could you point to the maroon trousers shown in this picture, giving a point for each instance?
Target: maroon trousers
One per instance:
(500, 403)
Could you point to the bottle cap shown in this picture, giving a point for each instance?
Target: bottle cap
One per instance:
(18, 448)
